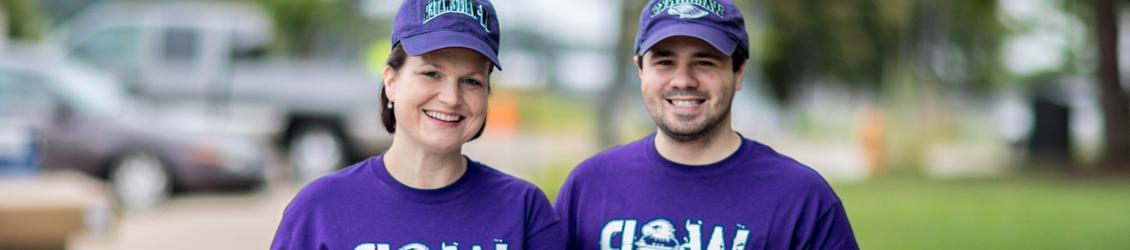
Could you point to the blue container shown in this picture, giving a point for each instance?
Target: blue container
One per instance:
(19, 151)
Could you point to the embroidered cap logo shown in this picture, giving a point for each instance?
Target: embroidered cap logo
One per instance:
(688, 9)
(435, 8)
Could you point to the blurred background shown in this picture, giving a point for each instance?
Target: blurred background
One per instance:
(961, 124)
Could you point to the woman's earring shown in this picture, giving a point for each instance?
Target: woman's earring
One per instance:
(389, 105)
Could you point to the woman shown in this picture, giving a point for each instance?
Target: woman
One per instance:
(423, 193)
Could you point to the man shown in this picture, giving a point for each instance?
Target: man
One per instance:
(697, 184)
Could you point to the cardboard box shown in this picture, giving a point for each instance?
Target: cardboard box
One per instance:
(43, 211)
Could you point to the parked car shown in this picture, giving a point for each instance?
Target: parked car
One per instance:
(324, 115)
(86, 121)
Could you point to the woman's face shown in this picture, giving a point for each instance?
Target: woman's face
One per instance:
(440, 98)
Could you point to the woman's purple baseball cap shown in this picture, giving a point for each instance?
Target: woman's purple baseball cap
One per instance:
(423, 26)
(718, 22)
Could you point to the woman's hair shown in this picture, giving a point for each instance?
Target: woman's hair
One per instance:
(395, 61)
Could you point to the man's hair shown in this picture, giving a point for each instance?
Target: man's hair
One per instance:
(738, 63)
(396, 60)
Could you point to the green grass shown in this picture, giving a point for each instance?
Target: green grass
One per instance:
(1005, 213)
(1013, 213)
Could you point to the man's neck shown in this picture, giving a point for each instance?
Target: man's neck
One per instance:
(423, 170)
(708, 149)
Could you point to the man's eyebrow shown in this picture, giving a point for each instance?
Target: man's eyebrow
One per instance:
(710, 55)
(662, 53)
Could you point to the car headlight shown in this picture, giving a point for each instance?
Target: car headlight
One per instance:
(237, 157)
(205, 156)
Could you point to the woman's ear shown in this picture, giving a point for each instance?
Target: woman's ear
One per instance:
(390, 83)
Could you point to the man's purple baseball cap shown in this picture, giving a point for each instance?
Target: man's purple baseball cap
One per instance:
(424, 26)
(718, 22)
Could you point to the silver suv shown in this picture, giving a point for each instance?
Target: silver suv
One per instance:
(201, 56)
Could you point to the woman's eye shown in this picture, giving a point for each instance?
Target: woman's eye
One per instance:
(431, 74)
(473, 82)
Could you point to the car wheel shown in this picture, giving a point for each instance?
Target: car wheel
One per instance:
(140, 180)
(315, 151)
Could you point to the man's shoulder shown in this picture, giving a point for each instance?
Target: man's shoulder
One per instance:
(787, 171)
(620, 155)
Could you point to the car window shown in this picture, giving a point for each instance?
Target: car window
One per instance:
(89, 90)
(111, 48)
(22, 95)
(180, 46)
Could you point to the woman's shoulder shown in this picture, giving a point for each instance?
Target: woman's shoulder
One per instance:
(335, 186)
(503, 182)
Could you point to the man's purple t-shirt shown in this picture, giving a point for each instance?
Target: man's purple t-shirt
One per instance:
(630, 197)
(363, 207)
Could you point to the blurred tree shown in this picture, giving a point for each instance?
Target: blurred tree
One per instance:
(861, 42)
(61, 11)
(954, 43)
(1113, 97)
(607, 134)
(322, 28)
(1102, 18)
(25, 20)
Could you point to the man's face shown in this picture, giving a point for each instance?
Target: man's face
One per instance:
(688, 87)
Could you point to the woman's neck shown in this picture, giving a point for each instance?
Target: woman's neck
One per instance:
(417, 168)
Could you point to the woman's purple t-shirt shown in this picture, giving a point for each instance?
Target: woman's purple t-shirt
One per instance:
(363, 207)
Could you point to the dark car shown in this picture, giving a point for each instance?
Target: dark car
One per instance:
(86, 121)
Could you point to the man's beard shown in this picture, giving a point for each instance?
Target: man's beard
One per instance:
(684, 132)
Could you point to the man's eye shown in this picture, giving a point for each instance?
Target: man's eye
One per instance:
(431, 74)
(705, 63)
(665, 62)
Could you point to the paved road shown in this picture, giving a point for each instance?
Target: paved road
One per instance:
(227, 220)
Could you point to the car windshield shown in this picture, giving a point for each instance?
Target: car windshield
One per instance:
(90, 91)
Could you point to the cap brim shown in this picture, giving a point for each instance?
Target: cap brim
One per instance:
(432, 41)
(709, 34)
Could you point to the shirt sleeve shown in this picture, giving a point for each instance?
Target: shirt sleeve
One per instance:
(543, 229)
(297, 230)
(566, 208)
(832, 230)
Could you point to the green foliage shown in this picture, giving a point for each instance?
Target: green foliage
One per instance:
(862, 42)
(976, 32)
(305, 28)
(24, 19)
